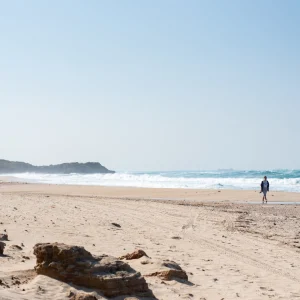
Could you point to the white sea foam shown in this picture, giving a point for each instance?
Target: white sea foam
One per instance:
(163, 180)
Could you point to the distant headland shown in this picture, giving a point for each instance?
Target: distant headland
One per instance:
(10, 167)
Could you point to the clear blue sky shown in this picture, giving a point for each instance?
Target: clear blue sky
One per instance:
(151, 85)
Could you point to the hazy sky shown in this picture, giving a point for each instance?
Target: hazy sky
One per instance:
(151, 85)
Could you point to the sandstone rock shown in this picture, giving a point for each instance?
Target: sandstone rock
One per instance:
(2, 246)
(170, 275)
(170, 270)
(76, 265)
(81, 296)
(3, 237)
(135, 255)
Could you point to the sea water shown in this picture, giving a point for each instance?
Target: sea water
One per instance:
(280, 180)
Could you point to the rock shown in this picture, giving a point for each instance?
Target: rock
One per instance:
(16, 247)
(170, 275)
(2, 246)
(7, 166)
(170, 270)
(74, 295)
(3, 237)
(75, 265)
(135, 255)
(116, 225)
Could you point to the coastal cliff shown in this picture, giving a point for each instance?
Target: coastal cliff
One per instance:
(10, 167)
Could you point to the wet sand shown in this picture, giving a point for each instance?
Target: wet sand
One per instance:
(243, 196)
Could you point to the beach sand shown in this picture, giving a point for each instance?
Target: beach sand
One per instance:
(230, 249)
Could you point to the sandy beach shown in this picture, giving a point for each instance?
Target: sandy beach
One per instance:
(149, 150)
(229, 247)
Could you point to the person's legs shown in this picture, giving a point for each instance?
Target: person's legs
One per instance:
(265, 196)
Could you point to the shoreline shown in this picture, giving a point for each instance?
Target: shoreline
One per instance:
(163, 190)
(138, 193)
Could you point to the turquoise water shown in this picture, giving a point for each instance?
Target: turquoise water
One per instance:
(229, 173)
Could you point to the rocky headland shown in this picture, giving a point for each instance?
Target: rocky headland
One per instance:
(11, 167)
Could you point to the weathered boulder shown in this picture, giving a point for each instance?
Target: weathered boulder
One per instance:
(169, 270)
(134, 255)
(76, 265)
(3, 237)
(169, 275)
(81, 296)
(2, 246)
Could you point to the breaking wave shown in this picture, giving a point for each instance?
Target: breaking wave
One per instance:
(281, 180)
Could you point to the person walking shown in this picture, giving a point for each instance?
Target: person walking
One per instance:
(264, 188)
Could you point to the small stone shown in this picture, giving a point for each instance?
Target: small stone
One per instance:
(135, 255)
(170, 271)
(2, 246)
(3, 237)
(16, 247)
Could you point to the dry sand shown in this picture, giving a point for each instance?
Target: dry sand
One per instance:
(229, 249)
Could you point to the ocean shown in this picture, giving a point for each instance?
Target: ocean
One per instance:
(280, 180)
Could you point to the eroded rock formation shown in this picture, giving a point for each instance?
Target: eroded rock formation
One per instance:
(75, 265)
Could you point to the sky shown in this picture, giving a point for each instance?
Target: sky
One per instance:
(151, 85)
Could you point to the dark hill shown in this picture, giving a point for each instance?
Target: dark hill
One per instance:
(9, 167)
